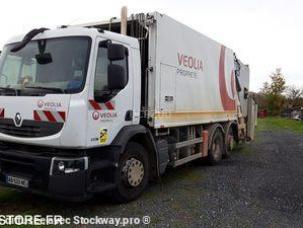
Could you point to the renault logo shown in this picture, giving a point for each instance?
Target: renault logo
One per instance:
(18, 119)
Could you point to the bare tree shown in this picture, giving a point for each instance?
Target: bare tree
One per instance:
(294, 96)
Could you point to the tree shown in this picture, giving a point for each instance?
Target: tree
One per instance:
(275, 104)
(273, 98)
(277, 85)
(294, 97)
(266, 88)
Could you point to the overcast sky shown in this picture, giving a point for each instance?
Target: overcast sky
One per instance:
(264, 34)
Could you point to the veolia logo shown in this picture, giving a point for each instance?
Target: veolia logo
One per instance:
(95, 115)
(49, 104)
(40, 103)
(18, 119)
(190, 62)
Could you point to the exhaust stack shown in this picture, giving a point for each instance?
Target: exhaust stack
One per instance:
(124, 20)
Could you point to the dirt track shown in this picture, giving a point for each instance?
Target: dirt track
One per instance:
(261, 185)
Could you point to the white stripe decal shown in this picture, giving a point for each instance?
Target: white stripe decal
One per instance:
(57, 117)
(42, 115)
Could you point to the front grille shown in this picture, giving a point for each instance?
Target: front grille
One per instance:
(29, 128)
(24, 131)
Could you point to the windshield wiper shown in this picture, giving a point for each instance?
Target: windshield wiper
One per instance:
(46, 88)
(9, 90)
(27, 38)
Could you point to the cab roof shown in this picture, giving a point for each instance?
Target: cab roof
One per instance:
(81, 31)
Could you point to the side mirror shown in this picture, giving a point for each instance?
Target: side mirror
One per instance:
(116, 52)
(117, 77)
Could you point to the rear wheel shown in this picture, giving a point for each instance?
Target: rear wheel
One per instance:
(133, 173)
(216, 148)
(229, 142)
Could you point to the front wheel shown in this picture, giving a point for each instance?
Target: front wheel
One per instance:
(133, 173)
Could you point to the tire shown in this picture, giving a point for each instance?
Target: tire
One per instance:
(216, 148)
(130, 182)
(229, 142)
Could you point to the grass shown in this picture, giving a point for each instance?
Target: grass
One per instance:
(243, 149)
(277, 123)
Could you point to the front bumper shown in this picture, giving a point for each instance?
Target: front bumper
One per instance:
(37, 167)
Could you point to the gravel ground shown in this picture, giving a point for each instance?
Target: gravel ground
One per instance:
(260, 186)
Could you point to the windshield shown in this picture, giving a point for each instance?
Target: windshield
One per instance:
(51, 66)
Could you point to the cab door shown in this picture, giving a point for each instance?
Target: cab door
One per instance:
(108, 111)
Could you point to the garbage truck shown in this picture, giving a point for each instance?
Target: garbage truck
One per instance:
(110, 106)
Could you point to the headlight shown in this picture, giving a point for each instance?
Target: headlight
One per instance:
(61, 166)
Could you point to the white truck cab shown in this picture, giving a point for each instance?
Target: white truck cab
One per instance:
(64, 92)
(85, 110)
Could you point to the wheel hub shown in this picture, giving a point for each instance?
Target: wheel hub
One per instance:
(231, 142)
(216, 149)
(133, 172)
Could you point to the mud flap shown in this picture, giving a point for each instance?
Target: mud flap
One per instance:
(162, 150)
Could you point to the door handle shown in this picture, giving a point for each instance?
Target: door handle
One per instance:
(129, 115)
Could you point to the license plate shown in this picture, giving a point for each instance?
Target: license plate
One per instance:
(17, 181)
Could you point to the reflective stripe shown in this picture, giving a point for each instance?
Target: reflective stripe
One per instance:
(1, 112)
(94, 105)
(49, 116)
